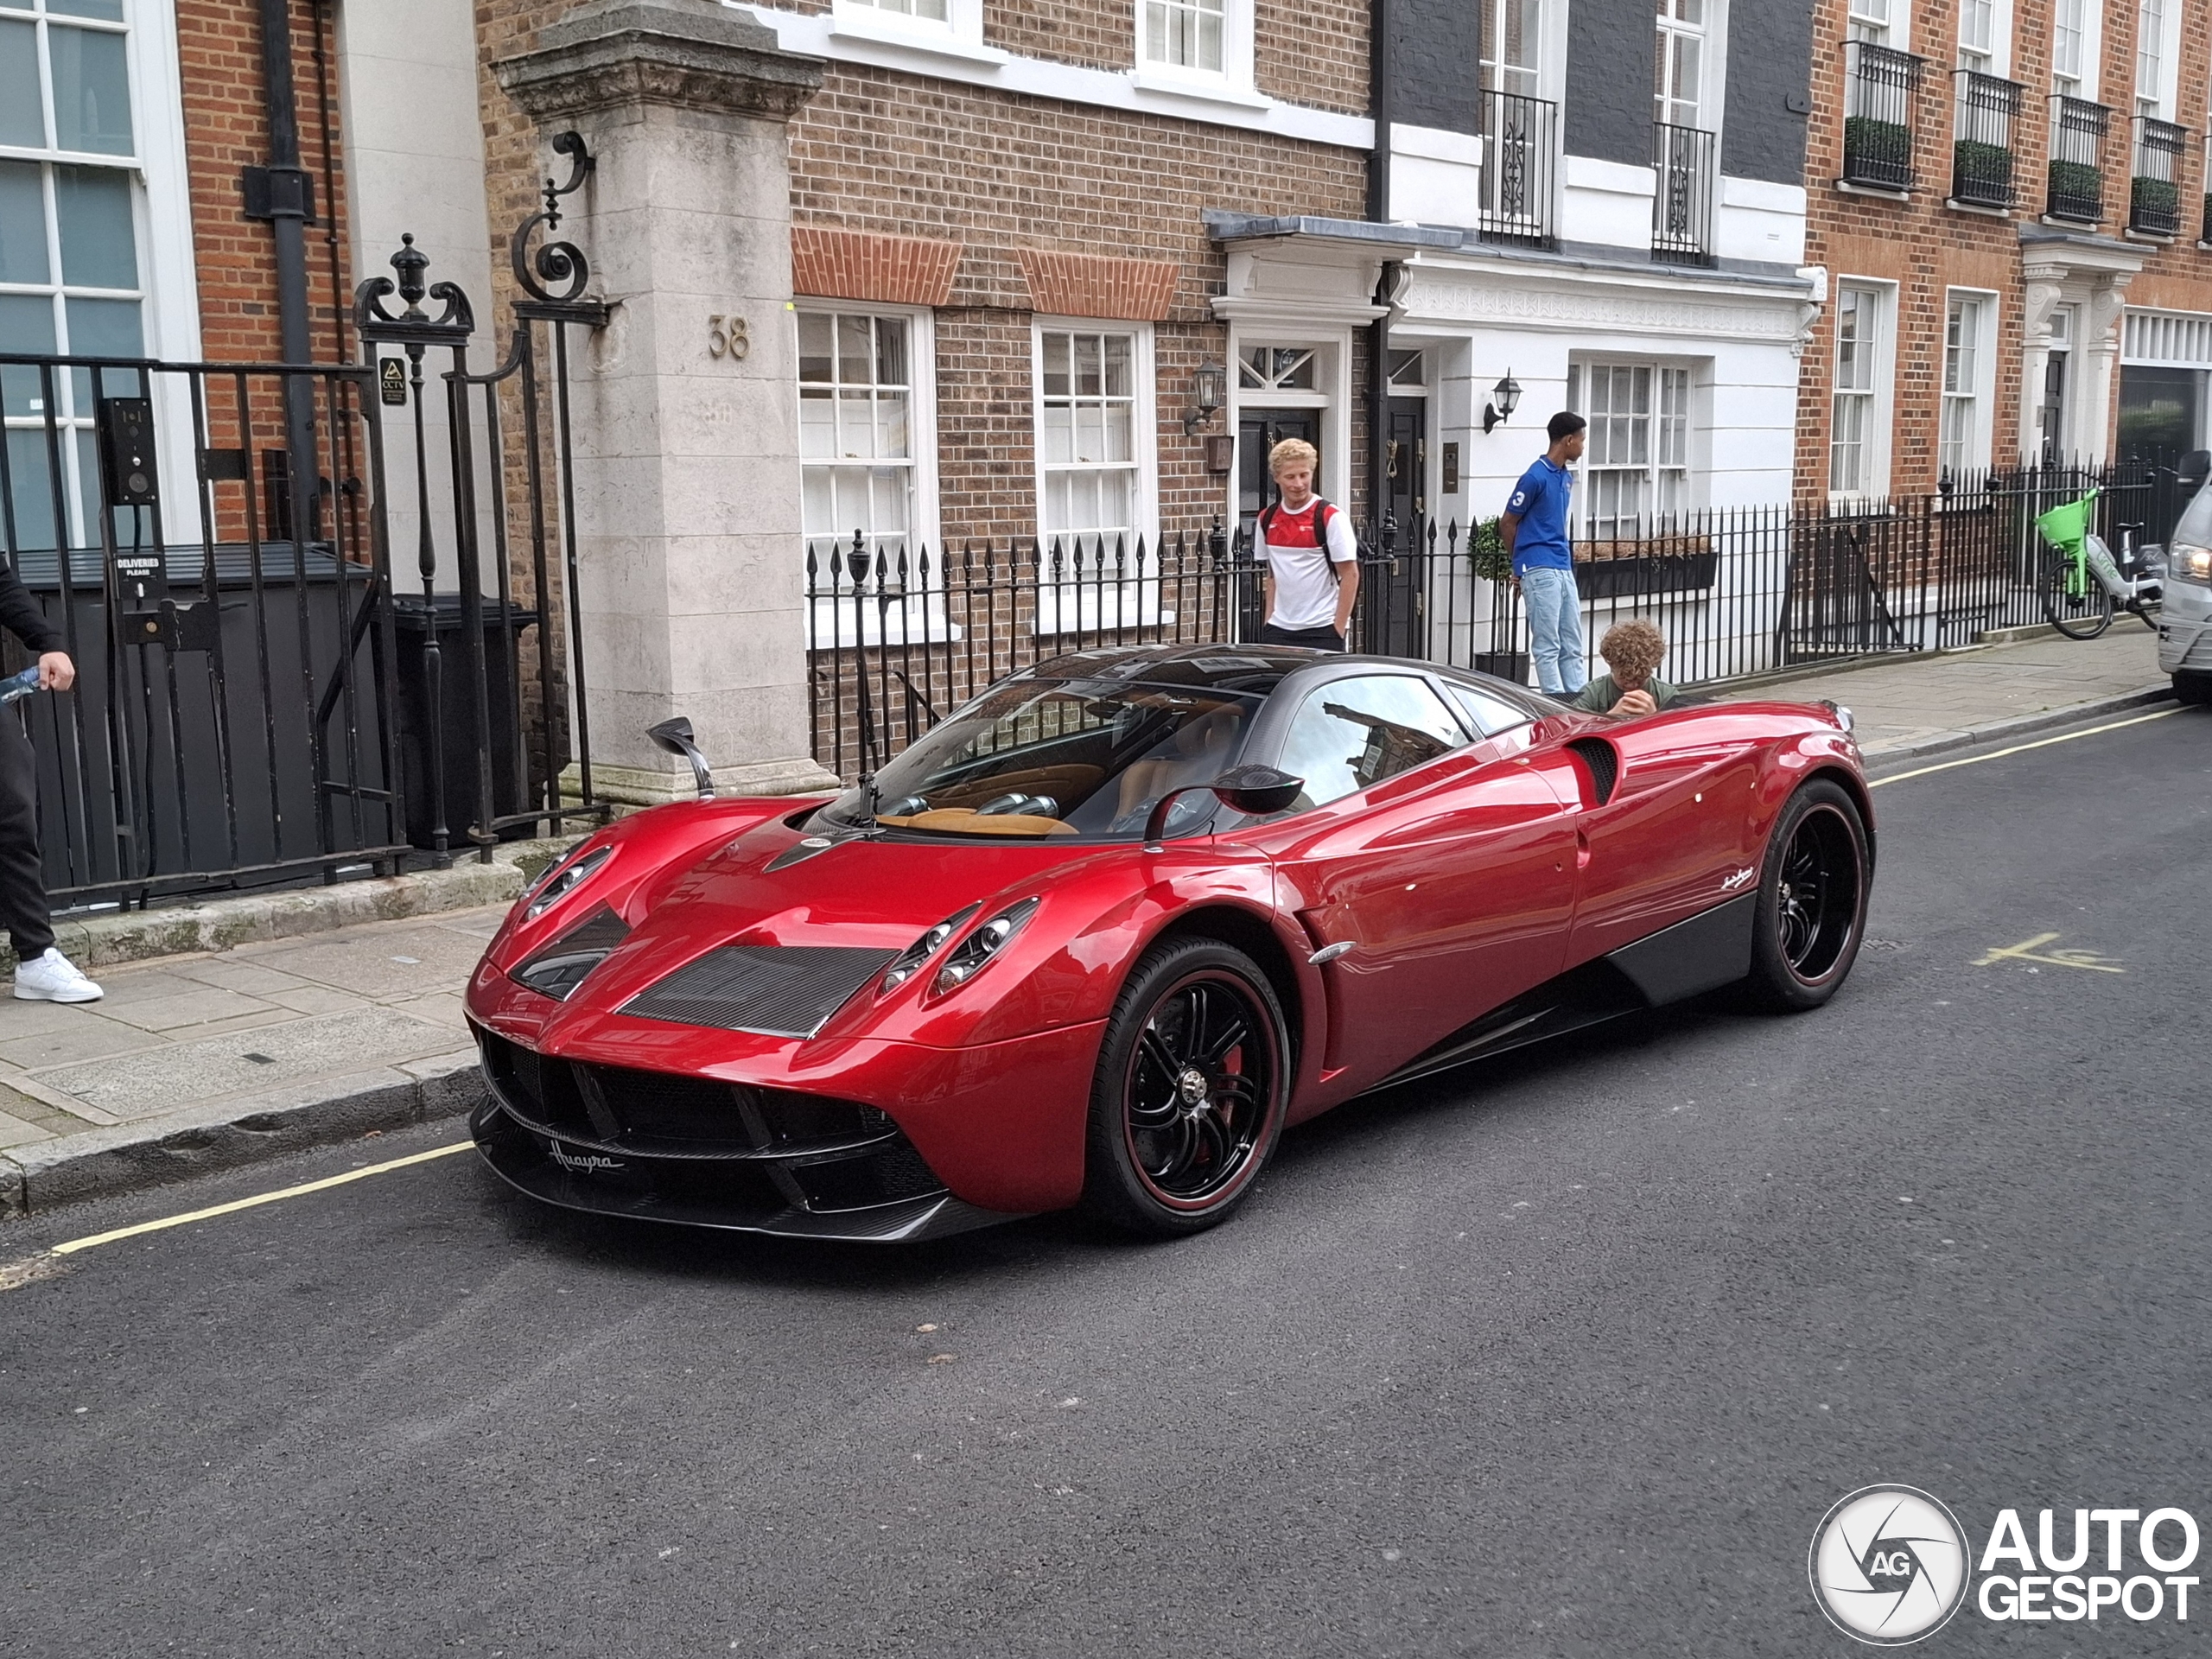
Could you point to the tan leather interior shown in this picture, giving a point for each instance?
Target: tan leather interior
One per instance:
(965, 821)
(1065, 784)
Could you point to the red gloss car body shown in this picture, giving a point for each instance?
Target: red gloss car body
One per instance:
(1501, 892)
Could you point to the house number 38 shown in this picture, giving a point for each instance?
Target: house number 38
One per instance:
(727, 337)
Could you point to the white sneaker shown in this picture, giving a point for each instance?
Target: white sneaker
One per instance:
(54, 978)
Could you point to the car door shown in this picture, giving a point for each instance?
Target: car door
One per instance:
(1439, 872)
(1668, 839)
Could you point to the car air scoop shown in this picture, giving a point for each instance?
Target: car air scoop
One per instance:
(776, 990)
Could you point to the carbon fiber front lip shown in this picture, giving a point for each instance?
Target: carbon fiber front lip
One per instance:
(516, 1155)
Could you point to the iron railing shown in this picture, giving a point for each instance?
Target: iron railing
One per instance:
(2205, 232)
(1981, 148)
(898, 640)
(1519, 171)
(2077, 168)
(1881, 96)
(256, 702)
(1682, 210)
(2154, 188)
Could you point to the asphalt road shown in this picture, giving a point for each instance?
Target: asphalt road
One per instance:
(1567, 1355)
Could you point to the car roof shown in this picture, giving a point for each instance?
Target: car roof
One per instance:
(1255, 669)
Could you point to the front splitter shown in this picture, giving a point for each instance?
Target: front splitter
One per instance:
(522, 1158)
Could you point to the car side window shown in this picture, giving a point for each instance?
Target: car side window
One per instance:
(1351, 733)
(1491, 715)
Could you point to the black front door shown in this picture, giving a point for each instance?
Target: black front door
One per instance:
(1391, 609)
(1258, 431)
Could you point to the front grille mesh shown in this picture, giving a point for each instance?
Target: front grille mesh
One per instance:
(776, 990)
(825, 1154)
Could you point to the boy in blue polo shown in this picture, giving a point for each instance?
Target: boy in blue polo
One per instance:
(1533, 528)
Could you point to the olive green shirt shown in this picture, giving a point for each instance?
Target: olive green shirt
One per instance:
(1601, 694)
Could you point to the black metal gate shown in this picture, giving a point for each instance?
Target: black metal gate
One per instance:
(257, 702)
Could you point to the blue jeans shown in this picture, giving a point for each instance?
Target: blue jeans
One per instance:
(1555, 629)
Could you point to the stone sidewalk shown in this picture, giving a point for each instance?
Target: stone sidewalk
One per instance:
(195, 1062)
(192, 1062)
(1920, 705)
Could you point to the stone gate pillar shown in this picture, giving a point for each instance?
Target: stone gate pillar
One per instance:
(686, 467)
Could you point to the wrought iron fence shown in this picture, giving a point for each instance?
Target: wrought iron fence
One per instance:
(1681, 208)
(1981, 150)
(2077, 143)
(898, 640)
(256, 701)
(2154, 192)
(1881, 95)
(1520, 163)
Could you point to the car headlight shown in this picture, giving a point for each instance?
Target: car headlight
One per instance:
(908, 962)
(2186, 563)
(563, 880)
(975, 952)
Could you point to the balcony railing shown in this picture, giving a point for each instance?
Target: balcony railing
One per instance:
(1981, 150)
(2204, 233)
(2154, 191)
(1682, 211)
(1881, 88)
(1520, 163)
(2077, 168)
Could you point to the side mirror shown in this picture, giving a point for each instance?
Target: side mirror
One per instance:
(675, 735)
(2194, 466)
(1255, 790)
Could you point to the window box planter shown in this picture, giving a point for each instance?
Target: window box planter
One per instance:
(2154, 205)
(1981, 173)
(1676, 564)
(2076, 191)
(1877, 152)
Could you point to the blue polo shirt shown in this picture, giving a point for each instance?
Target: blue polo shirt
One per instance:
(1541, 500)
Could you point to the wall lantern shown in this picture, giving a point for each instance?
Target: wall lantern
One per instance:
(1506, 395)
(1209, 392)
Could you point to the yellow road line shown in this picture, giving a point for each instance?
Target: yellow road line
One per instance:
(2021, 749)
(76, 1244)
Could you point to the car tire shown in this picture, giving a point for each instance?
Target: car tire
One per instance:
(1811, 912)
(2193, 689)
(1193, 1085)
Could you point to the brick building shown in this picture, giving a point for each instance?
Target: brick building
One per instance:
(2006, 198)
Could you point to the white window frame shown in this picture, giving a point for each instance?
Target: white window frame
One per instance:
(923, 607)
(1879, 394)
(2157, 100)
(1233, 79)
(166, 291)
(1704, 34)
(959, 33)
(1079, 608)
(1881, 22)
(1970, 452)
(1673, 382)
(2083, 83)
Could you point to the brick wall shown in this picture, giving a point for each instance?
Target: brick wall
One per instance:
(218, 49)
(878, 150)
(1925, 247)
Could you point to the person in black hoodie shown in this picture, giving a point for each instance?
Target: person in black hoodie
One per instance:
(42, 973)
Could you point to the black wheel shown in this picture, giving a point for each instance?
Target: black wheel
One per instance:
(1193, 1078)
(2078, 616)
(2193, 687)
(1812, 903)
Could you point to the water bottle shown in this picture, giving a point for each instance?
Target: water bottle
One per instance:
(19, 685)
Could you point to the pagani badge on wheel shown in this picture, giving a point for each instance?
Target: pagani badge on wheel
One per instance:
(1097, 937)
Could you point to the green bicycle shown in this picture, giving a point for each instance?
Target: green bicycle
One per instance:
(2079, 580)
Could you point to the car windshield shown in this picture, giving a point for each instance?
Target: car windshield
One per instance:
(1036, 759)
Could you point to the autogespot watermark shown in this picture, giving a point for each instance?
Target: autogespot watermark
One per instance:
(1891, 1564)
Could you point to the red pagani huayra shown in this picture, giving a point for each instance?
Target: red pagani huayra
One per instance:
(1097, 937)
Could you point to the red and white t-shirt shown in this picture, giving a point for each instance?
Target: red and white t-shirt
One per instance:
(1306, 589)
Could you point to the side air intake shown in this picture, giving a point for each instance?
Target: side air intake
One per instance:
(1605, 765)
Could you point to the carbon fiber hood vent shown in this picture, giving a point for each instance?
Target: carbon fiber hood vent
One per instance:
(775, 990)
(562, 966)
